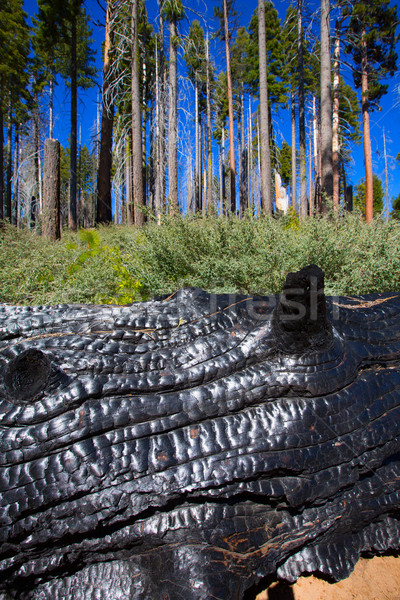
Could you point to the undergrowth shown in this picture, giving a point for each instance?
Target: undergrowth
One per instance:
(120, 265)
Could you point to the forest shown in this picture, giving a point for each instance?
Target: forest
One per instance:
(189, 114)
(149, 157)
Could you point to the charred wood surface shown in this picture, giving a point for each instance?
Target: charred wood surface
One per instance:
(186, 447)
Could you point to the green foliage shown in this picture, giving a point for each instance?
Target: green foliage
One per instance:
(127, 288)
(395, 214)
(371, 38)
(121, 264)
(284, 158)
(378, 193)
(173, 10)
(14, 52)
(276, 58)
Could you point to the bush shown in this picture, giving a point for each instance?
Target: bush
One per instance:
(121, 265)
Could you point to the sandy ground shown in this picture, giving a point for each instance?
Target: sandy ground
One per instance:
(375, 578)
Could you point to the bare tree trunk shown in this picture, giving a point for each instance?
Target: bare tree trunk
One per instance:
(51, 196)
(335, 119)
(266, 204)
(369, 198)
(250, 161)
(128, 183)
(209, 130)
(230, 112)
(294, 157)
(386, 178)
(222, 175)
(1, 167)
(36, 143)
(173, 123)
(104, 201)
(303, 209)
(73, 217)
(326, 109)
(8, 211)
(197, 170)
(137, 151)
(158, 175)
(15, 218)
(51, 107)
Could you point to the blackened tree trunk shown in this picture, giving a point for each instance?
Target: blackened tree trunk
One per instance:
(104, 202)
(73, 217)
(326, 109)
(51, 192)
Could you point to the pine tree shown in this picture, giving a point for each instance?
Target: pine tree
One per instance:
(372, 35)
(104, 201)
(224, 14)
(377, 196)
(173, 12)
(196, 66)
(14, 51)
(66, 27)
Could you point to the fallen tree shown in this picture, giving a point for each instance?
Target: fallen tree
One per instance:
(186, 447)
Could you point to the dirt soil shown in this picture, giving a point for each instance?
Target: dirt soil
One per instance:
(375, 578)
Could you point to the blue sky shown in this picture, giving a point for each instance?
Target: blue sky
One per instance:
(386, 120)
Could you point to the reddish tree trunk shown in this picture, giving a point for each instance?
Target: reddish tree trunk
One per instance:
(369, 199)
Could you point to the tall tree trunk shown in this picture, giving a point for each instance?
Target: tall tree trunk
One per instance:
(36, 144)
(8, 211)
(137, 151)
(209, 129)
(223, 208)
(316, 156)
(162, 114)
(243, 192)
(104, 200)
(51, 195)
(51, 108)
(326, 109)
(73, 217)
(230, 113)
(369, 199)
(197, 170)
(303, 209)
(266, 204)
(294, 157)
(335, 119)
(15, 218)
(173, 123)
(386, 178)
(1, 166)
(157, 173)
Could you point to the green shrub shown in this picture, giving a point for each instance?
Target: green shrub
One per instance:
(121, 265)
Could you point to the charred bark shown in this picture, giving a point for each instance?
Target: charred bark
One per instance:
(186, 447)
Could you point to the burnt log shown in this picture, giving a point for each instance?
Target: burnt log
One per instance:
(186, 447)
